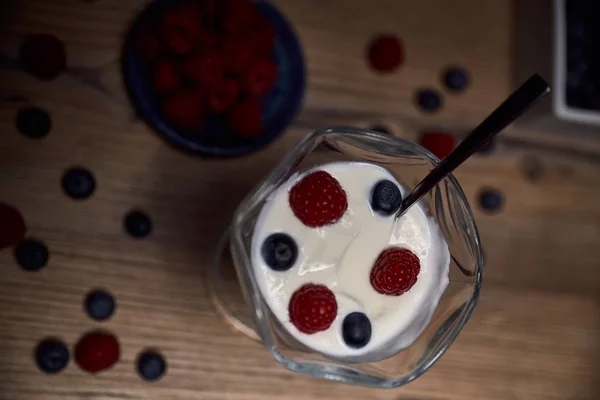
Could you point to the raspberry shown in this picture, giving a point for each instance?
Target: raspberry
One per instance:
(386, 53)
(97, 351)
(240, 16)
(318, 199)
(166, 77)
(147, 43)
(245, 118)
(43, 56)
(263, 39)
(222, 95)
(395, 271)
(204, 68)
(312, 308)
(259, 78)
(180, 28)
(208, 40)
(212, 9)
(439, 143)
(185, 109)
(238, 53)
(12, 226)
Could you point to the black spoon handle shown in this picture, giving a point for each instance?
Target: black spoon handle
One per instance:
(512, 108)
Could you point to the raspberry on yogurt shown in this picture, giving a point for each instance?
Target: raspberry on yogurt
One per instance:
(395, 271)
(318, 199)
(312, 308)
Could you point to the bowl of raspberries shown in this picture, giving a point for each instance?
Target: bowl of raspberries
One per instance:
(214, 77)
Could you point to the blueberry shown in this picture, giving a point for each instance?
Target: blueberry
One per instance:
(138, 224)
(31, 255)
(491, 200)
(51, 356)
(386, 198)
(429, 100)
(356, 330)
(151, 365)
(456, 79)
(33, 122)
(280, 251)
(99, 305)
(78, 183)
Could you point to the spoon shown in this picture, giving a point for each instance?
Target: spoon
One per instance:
(513, 107)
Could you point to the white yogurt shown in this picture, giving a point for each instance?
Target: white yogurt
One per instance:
(341, 256)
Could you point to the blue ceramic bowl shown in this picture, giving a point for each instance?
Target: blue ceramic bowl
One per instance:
(280, 105)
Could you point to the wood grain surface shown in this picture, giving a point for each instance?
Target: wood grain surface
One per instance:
(534, 335)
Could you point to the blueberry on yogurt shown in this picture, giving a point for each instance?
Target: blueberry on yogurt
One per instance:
(356, 330)
(279, 251)
(386, 198)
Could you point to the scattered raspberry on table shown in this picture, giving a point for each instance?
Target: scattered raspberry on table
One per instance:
(439, 143)
(386, 53)
(97, 351)
(43, 56)
(12, 226)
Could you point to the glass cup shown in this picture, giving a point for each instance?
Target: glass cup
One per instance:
(236, 293)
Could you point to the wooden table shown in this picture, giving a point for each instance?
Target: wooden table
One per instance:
(534, 335)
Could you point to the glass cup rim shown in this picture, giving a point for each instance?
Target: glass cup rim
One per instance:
(258, 194)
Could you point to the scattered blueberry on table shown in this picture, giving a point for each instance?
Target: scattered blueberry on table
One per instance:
(99, 305)
(356, 330)
(151, 365)
(33, 122)
(78, 183)
(386, 197)
(428, 100)
(138, 224)
(456, 79)
(31, 255)
(51, 356)
(491, 200)
(279, 251)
